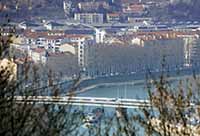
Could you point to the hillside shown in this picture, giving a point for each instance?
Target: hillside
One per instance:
(185, 10)
(30, 8)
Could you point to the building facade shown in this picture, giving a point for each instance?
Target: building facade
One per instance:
(89, 18)
(113, 17)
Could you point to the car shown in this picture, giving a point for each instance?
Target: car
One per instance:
(116, 73)
(133, 72)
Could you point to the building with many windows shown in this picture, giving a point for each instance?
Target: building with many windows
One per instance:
(93, 5)
(89, 18)
(113, 17)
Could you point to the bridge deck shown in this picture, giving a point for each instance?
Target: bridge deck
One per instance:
(84, 101)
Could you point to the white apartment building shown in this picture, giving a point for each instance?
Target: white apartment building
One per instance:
(83, 53)
(89, 18)
(100, 35)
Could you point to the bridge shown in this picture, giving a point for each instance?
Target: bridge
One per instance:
(84, 101)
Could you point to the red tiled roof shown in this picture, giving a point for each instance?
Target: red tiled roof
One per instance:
(76, 36)
(35, 35)
(134, 7)
(113, 14)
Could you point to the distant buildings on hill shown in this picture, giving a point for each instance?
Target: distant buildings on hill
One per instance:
(111, 11)
(89, 18)
(100, 49)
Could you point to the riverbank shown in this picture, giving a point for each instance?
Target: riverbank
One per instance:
(134, 79)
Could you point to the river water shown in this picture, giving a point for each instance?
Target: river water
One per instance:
(135, 89)
(119, 91)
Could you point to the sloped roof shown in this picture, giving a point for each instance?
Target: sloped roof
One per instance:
(55, 24)
(79, 31)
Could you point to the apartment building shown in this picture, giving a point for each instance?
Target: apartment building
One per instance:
(86, 6)
(133, 8)
(89, 18)
(113, 17)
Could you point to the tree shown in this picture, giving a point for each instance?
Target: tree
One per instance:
(23, 118)
(173, 111)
